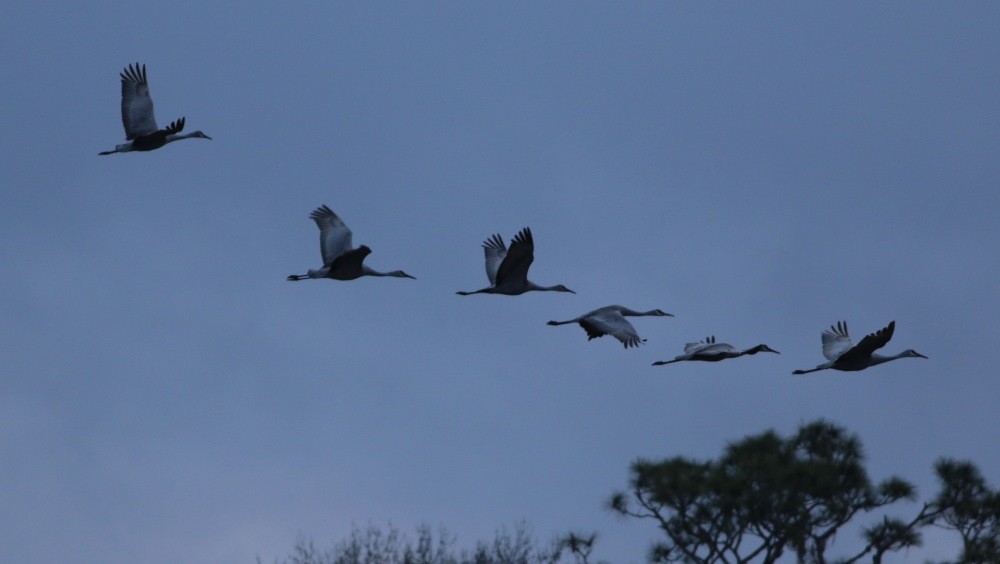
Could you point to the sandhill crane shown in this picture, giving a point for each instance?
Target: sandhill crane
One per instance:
(141, 131)
(845, 355)
(710, 351)
(508, 269)
(610, 320)
(341, 261)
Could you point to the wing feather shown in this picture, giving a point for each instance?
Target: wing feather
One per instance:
(690, 347)
(716, 348)
(871, 343)
(137, 106)
(836, 341)
(334, 235)
(514, 267)
(495, 251)
(612, 323)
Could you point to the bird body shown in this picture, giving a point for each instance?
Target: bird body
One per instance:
(341, 261)
(507, 269)
(844, 355)
(141, 131)
(610, 320)
(710, 351)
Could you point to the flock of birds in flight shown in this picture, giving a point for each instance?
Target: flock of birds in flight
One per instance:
(506, 267)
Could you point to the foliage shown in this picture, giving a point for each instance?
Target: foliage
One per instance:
(372, 545)
(768, 496)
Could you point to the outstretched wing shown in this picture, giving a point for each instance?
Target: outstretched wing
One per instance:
(495, 251)
(836, 341)
(870, 344)
(716, 348)
(350, 260)
(137, 106)
(691, 347)
(514, 267)
(611, 323)
(334, 235)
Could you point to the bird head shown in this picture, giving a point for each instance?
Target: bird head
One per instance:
(561, 288)
(911, 352)
(401, 274)
(763, 348)
(200, 135)
(661, 313)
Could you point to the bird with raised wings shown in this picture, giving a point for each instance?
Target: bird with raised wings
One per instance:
(141, 131)
(507, 269)
(844, 355)
(610, 320)
(341, 261)
(710, 351)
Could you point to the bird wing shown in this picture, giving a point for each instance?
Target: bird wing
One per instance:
(495, 251)
(137, 106)
(612, 323)
(350, 260)
(716, 348)
(334, 235)
(871, 343)
(514, 267)
(691, 347)
(836, 341)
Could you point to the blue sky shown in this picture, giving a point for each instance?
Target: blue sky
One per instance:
(760, 172)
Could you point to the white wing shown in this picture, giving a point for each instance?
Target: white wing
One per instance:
(716, 348)
(613, 323)
(137, 106)
(692, 347)
(836, 341)
(334, 235)
(495, 251)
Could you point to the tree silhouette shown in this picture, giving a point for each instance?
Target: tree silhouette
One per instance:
(768, 496)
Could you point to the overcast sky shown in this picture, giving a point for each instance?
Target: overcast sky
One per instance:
(760, 172)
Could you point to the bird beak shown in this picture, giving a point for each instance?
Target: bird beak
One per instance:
(918, 354)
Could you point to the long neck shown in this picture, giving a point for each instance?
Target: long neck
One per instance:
(177, 137)
(879, 359)
(535, 287)
(633, 313)
(393, 274)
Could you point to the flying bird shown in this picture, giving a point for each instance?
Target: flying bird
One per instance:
(341, 261)
(141, 131)
(610, 320)
(507, 269)
(845, 355)
(710, 351)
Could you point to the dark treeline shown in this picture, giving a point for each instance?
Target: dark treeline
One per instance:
(766, 497)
